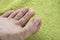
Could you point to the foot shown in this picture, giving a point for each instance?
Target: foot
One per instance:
(14, 26)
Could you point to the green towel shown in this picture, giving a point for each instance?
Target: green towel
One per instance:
(47, 10)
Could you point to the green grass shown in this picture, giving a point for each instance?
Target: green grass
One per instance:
(47, 10)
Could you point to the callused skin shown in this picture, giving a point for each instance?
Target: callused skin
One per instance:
(14, 24)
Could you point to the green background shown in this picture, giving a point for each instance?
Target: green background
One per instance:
(47, 10)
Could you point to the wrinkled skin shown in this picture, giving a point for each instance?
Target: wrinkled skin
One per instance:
(14, 24)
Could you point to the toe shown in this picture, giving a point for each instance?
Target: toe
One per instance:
(26, 18)
(21, 13)
(32, 27)
(14, 13)
(6, 14)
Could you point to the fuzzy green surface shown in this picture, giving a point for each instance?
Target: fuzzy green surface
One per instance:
(47, 10)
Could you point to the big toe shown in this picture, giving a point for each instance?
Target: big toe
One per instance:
(32, 27)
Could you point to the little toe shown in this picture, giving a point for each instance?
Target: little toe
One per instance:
(14, 13)
(26, 18)
(32, 27)
(21, 13)
(6, 14)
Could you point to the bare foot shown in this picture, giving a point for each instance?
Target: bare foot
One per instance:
(14, 26)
